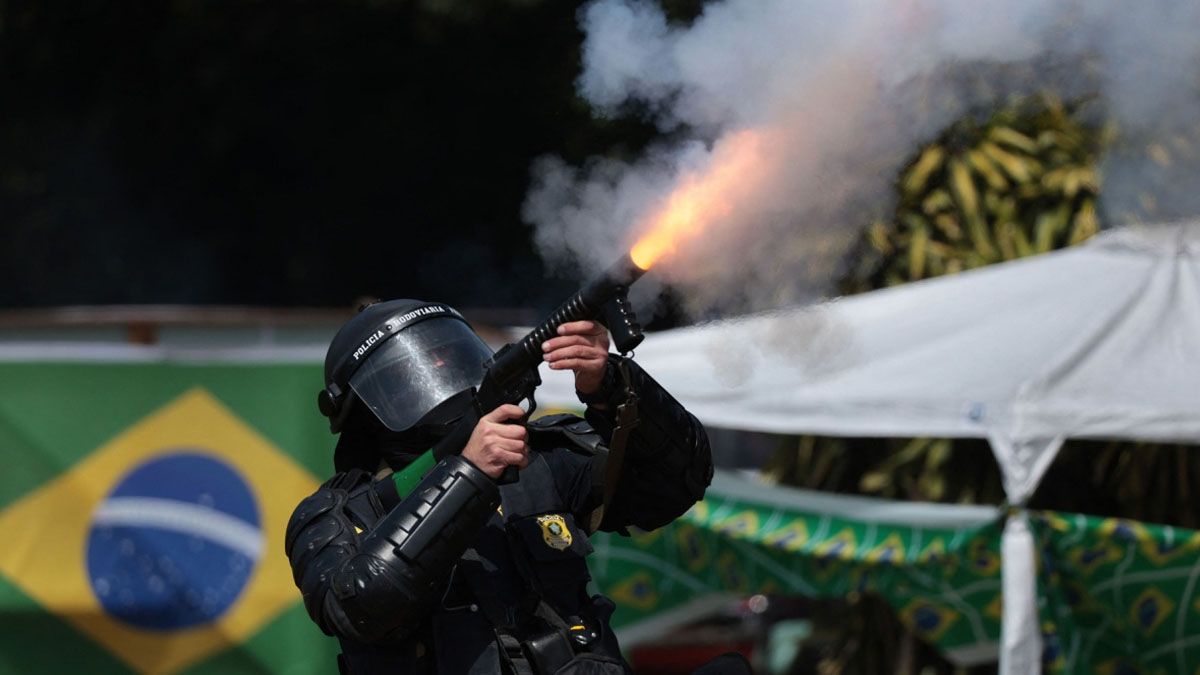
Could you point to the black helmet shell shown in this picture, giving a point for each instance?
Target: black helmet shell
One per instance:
(401, 358)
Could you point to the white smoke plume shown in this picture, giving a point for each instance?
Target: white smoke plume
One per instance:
(840, 93)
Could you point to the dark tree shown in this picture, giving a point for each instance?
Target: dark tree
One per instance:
(283, 153)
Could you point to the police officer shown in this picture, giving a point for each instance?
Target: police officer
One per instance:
(423, 566)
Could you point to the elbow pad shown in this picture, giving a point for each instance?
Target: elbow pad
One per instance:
(668, 462)
(388, 588)
(321, 537)
(667, 437)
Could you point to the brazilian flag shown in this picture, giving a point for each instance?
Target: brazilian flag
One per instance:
(142, 515)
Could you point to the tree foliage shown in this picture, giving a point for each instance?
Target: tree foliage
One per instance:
(284, 154)
(1022, 182)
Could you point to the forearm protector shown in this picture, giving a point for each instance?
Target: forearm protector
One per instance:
(382, 586)
(668, 462)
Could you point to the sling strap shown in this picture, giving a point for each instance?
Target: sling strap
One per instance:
(627, 419)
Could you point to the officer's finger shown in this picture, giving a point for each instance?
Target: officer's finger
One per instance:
(498, 444)
(509, 431)
(513, 458)
(504, 413)
(565, 341)
(581, 328)
(577, 364)
(577, 352)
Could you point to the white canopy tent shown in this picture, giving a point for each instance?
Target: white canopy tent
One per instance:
(1098, 341)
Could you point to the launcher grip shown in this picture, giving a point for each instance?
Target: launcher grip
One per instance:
(622, 323)
(510, 475)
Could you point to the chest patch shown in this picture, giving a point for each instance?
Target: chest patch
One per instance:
(555, 532)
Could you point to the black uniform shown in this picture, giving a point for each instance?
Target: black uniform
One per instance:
(514, 573)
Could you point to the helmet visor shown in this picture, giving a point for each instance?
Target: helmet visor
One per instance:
(419, 368)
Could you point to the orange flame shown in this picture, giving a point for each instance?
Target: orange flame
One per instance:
(702, 198)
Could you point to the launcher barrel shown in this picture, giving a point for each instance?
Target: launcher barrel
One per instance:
(604, 298)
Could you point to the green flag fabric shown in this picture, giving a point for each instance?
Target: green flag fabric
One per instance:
(1117, 596)
(143, 507)
(937, 565)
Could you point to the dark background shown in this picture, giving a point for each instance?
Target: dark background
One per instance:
(286, 154)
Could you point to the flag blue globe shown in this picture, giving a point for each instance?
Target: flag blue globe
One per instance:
(175, 541)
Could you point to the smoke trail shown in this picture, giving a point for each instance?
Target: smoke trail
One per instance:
(840, 94)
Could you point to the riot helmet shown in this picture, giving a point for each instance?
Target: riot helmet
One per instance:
(407, 361)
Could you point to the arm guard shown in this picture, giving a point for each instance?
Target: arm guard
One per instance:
(380, 587)
(668, 463)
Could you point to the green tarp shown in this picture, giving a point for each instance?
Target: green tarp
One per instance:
(143, 506)
(938, 566)
(1117, 596)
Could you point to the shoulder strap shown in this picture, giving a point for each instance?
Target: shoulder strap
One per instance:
(627, 419)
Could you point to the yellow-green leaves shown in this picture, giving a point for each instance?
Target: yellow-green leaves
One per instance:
(1022, 183)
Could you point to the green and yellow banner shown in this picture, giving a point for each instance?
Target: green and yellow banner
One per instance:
(142, 510)
(1118, 596)
(938, 566)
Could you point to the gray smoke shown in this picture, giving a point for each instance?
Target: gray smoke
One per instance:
(842, 92)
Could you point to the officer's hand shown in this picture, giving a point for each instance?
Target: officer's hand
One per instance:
(495, 445)
(581, 346)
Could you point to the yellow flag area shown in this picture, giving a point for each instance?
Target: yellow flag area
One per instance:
(165, 545)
